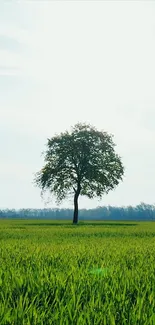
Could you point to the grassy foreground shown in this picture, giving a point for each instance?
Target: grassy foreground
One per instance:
(94, 273)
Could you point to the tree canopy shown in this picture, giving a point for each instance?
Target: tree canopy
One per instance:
(83, 162)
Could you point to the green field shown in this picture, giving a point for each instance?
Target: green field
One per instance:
(93, 273)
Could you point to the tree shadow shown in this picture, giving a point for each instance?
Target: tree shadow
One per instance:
(81, 223)
(113, 224)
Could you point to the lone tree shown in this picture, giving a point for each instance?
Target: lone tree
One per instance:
(80, 162)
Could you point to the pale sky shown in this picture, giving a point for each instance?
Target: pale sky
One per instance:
(63, 62)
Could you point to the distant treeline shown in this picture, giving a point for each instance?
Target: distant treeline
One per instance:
(140, 212)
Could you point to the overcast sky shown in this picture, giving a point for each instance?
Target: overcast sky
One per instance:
(63, 62)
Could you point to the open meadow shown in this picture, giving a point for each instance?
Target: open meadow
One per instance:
(100, 273)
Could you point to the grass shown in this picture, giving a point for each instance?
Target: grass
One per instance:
(94, 273)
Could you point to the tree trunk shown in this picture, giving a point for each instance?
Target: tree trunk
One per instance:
(76, 196)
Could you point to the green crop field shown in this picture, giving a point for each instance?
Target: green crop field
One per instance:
(93, 273)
